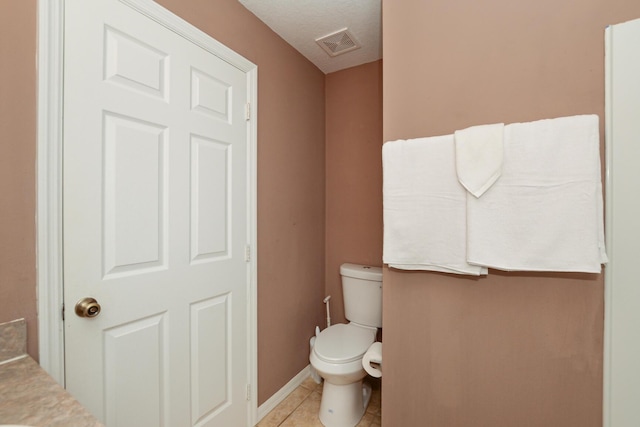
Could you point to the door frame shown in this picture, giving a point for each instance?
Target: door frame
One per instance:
(49, 249)
(608, 271)
(613, 368)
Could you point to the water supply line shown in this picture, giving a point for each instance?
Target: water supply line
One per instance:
(326, 301)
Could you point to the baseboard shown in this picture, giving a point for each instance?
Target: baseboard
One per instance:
(281, 394)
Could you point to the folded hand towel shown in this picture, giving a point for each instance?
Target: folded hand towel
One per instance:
(424, 207)
(479, 154)
(545, 212)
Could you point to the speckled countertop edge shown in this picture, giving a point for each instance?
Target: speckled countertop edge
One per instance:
(13, 340)
(28, 395)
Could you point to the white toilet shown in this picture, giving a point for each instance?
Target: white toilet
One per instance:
(338, 350)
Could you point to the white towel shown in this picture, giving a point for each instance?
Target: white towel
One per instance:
(424, 207)
(479, 154)
(545, 212)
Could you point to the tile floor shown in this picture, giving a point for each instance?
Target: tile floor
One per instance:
(301, 407)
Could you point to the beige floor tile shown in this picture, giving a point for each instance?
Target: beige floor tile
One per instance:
(374, 407)
(305, 415)
(301, 408)
(286, 407)
(366, 420)
(310, 384)
(376, 397)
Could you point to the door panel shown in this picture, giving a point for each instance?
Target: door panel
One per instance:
(155, 222)
(136, 350)
(210, 166)
(207, 361)
(134, 193)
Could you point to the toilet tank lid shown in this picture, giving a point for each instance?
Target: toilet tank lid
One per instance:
(361, 272)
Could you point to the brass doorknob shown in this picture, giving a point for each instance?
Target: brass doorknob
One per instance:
(87, 307)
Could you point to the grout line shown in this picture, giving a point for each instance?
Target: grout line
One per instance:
(299, 404)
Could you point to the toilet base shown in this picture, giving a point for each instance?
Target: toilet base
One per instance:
(344, 405)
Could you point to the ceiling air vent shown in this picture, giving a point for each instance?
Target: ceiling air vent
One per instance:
(338, 43)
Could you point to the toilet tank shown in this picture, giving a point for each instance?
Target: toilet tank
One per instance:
(362, 293)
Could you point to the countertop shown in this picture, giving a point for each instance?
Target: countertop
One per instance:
(29, 396)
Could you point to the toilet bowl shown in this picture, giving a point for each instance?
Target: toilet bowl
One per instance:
(337, 357)
(338, 350)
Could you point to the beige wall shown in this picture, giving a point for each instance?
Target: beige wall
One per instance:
(18, 165)
(512, 349)
(354, 174)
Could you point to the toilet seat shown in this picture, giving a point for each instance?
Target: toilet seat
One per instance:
(343, 343)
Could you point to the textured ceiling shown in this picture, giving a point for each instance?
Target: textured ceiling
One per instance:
(301, 22)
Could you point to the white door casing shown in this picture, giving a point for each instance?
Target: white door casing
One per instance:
(622, 293)
(146, 236)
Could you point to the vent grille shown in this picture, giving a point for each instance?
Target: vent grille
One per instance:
(338, 43)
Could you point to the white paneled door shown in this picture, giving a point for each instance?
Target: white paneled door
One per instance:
(156, 222)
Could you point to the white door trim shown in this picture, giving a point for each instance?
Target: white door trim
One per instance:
(608, 271)
(50, 285)
(49, 188)
(621, 382)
